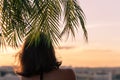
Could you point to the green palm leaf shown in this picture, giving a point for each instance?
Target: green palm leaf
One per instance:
(28, 18)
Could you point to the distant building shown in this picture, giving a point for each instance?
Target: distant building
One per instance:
(102, 76)
(116, 77)
(7, 73)
(9, 77)
(84, 76)
(93, 74)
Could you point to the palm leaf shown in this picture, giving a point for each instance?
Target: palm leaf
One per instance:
(73, 16)
(28, 18)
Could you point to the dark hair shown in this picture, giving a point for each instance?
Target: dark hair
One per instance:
(37, 58)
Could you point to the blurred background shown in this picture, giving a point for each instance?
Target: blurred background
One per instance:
(102, 49)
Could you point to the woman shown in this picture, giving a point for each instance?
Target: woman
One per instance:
(38, 61)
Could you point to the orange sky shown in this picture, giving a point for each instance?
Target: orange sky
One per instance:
(89, 57)
(76, 56)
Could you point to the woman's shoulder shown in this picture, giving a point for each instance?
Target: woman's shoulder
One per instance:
(59, 74)
(66, 73)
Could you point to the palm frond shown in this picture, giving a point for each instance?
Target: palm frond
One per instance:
(13, 20)
(28, 18)
(46, 19)
(73, 16)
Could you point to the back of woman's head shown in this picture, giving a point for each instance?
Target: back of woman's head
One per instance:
(37, 57)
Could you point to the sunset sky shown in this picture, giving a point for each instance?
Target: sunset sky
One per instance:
(103, 25)
(102, 49)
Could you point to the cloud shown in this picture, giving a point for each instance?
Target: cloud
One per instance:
(98, 51)
(66, 47)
